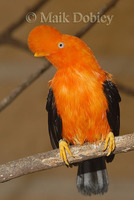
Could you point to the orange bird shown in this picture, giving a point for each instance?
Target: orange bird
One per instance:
(82, 104)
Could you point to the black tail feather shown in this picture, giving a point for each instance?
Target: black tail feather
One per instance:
(92, 177)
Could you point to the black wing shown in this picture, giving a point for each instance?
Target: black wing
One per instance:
(54, 120)
(113, 114)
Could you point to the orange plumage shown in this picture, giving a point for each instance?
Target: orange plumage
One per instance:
(78, 74)
(82, 104)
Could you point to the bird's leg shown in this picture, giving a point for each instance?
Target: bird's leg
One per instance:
(63, 144)
(111, 140)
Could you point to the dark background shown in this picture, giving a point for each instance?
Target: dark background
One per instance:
(23, 125)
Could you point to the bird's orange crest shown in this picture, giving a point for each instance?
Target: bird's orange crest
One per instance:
(60, 49)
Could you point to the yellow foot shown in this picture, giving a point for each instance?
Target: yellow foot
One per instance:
(109, 139)
(62, 146)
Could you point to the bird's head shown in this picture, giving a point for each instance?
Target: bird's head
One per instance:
(61, 50)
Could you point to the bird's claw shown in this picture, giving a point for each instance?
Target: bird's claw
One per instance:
(109, 139)
(62, 146)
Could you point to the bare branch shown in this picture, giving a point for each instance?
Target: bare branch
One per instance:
(125, 89)
(7, 100)
(101, 12)
(17, 43)
(21, 20)
(51, 159)
(6, 36)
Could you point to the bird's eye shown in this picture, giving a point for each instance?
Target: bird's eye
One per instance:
(61, 45)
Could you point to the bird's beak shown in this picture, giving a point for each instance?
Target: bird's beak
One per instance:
(41, 54)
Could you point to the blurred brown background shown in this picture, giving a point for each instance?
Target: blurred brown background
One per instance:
(23, 125)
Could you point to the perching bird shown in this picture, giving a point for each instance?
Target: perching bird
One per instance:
(82, 104)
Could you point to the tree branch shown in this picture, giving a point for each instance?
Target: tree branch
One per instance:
(51, 159)
(17, 91)
(6, 36)
(22, 19)
(14, 94)
(125, 89)
(101, 12)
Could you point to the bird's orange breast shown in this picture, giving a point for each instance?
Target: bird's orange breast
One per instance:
(81, 104)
